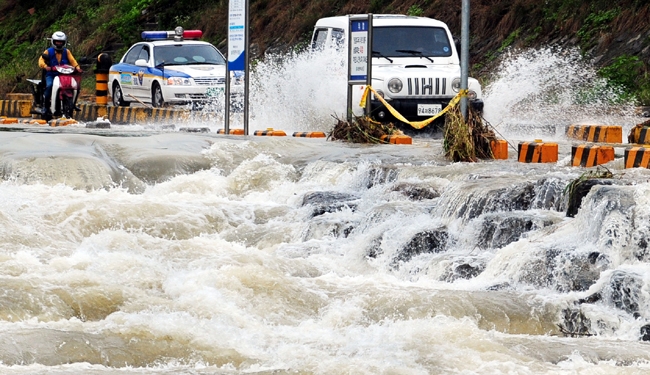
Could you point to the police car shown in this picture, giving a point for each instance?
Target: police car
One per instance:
(168, 67)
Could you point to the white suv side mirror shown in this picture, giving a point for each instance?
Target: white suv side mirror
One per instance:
(141, 62)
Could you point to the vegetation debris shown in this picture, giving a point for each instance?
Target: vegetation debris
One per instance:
(467, 140)
(581, 186)
(599, 173)
(361, 129)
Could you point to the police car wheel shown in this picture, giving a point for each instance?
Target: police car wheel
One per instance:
(118, 98)
(157, 99)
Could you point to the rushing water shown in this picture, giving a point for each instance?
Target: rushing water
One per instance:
(164, 252)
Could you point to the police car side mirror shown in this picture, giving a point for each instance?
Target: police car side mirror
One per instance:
(141, 62)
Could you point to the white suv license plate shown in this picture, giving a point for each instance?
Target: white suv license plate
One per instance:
(429, 109)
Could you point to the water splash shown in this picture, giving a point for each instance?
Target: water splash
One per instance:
(299, 91)
(543, 90)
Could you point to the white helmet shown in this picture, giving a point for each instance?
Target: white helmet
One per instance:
(59, 40)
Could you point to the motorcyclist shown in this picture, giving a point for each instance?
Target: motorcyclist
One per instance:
(58, 54)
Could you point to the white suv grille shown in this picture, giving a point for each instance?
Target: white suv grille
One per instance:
(427, 86)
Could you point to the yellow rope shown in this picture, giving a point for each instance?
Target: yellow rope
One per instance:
(415, 124)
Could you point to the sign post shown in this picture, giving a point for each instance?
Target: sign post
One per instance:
(238, 41)
(359, 56)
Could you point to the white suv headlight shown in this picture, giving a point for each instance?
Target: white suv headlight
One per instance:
(471, 94)
(178, 81)
(455, 84)
(395, 85)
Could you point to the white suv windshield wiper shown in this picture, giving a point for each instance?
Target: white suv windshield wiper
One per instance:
(377, 53)
(413, 52)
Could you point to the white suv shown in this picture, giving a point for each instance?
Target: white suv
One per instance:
(415, 65)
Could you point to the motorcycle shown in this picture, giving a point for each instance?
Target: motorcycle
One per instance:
(65, 91)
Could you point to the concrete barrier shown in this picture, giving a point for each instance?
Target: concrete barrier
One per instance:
(91, 112)
(397, 139)
(130, 115)
(499, 149)
(18, 96)
(32, 121)
(62, 122)
(194, 130)
(591, 155)
(538, 152)
(270, 132)
(231, 131)
(8, 120)
(309, 134)
(596, 133)
(640, 133)
(15, 108)
(636, 157)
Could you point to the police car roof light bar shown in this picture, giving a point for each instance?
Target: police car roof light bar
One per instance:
(164, 35)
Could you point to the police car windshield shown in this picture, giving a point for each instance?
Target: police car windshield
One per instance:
(410, 41)
(187, 54)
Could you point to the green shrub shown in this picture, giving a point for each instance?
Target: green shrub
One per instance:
(594, 23)
(127, 24)
(643, 94)
(627, 73)
(415, 10)
(507, 42)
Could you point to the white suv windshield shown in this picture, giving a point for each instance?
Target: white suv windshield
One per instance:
(187, 54)
(409, 41)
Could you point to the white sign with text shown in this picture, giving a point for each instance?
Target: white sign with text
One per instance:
(358, 50)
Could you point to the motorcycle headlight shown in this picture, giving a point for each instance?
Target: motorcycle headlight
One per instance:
(395, 85)
(179, 81)
(455, 85)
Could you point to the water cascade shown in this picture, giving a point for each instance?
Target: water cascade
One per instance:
(165, 252)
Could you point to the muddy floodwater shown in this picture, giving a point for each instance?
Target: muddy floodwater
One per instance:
(142, 249)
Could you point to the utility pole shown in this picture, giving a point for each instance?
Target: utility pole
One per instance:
(464, 56)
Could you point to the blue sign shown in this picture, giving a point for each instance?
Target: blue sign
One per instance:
(361, 25)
